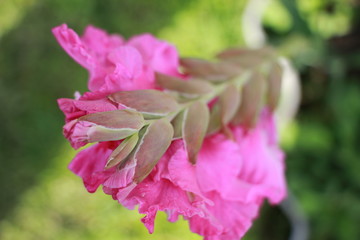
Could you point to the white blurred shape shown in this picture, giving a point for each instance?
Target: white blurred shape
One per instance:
(254, 34)
(290, 94)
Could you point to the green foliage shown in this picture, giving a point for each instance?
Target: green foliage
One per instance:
(323, 161)
(59, 208)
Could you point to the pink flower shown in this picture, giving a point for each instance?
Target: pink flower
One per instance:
(77, 133)
(98, 42)
(220, 195)
(159, 193)
(226, 216)
(159, 55)
(103, 126)
(219, 163)
(89, 164)
(116, 65)
(85, 104)
(237, 177)
(76, 108)
(223, 186)
(262, 175)
(226, 220)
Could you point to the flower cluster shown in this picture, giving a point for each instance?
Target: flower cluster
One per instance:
(157, 146)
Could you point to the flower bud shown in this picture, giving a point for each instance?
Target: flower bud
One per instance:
(103, 126)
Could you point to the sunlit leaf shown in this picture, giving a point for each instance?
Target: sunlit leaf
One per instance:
(153, 145)
(274, 85)
(149, 102)
(235, 52)
(215, 120)
(247, 57)
(187, 88)
(177, 124)
(113, 125)
(194, 129)
(122, 151)
(229, 103)
(99, 133)
(211, 71)
(252, 101)
(116, 119)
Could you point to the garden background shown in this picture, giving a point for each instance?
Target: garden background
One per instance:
(41, 199)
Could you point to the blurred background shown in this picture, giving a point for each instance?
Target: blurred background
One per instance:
(41, 199)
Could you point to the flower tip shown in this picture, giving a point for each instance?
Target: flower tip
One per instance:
(193, 160)
(110, 163)
(60, 27)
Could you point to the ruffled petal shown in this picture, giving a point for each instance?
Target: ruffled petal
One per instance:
(69, 109)
(76, 133)
(218, 166)
(225, 220)
(153, 196)
(183, 174)
(93, 106)
(263, 164)
(123, 177)
(128, 68)
(99, 42)
(159, 55)
(73, 45)
(88, 103)
(90, 162)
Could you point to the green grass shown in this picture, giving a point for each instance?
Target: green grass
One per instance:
(60, 208)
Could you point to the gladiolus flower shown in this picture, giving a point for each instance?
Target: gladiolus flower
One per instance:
(170, 152)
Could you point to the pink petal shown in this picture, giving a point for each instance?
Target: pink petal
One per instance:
(77, 133)
(73, 45)
(124, 192)
(263, 167)
(93, 106)
(183, 174)
(97, 77)
(123, 177)
(219, 164)
(146, 44)
(100, 42)
(69, 109)
(159, 196)
(161, 170)
(267, 124)
(166, 59)
(90, 102)
(128, 68)
(130, 60)
(225, 220)
(159, 55)
(90, 162)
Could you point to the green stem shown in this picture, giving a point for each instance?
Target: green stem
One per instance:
(216, 92)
